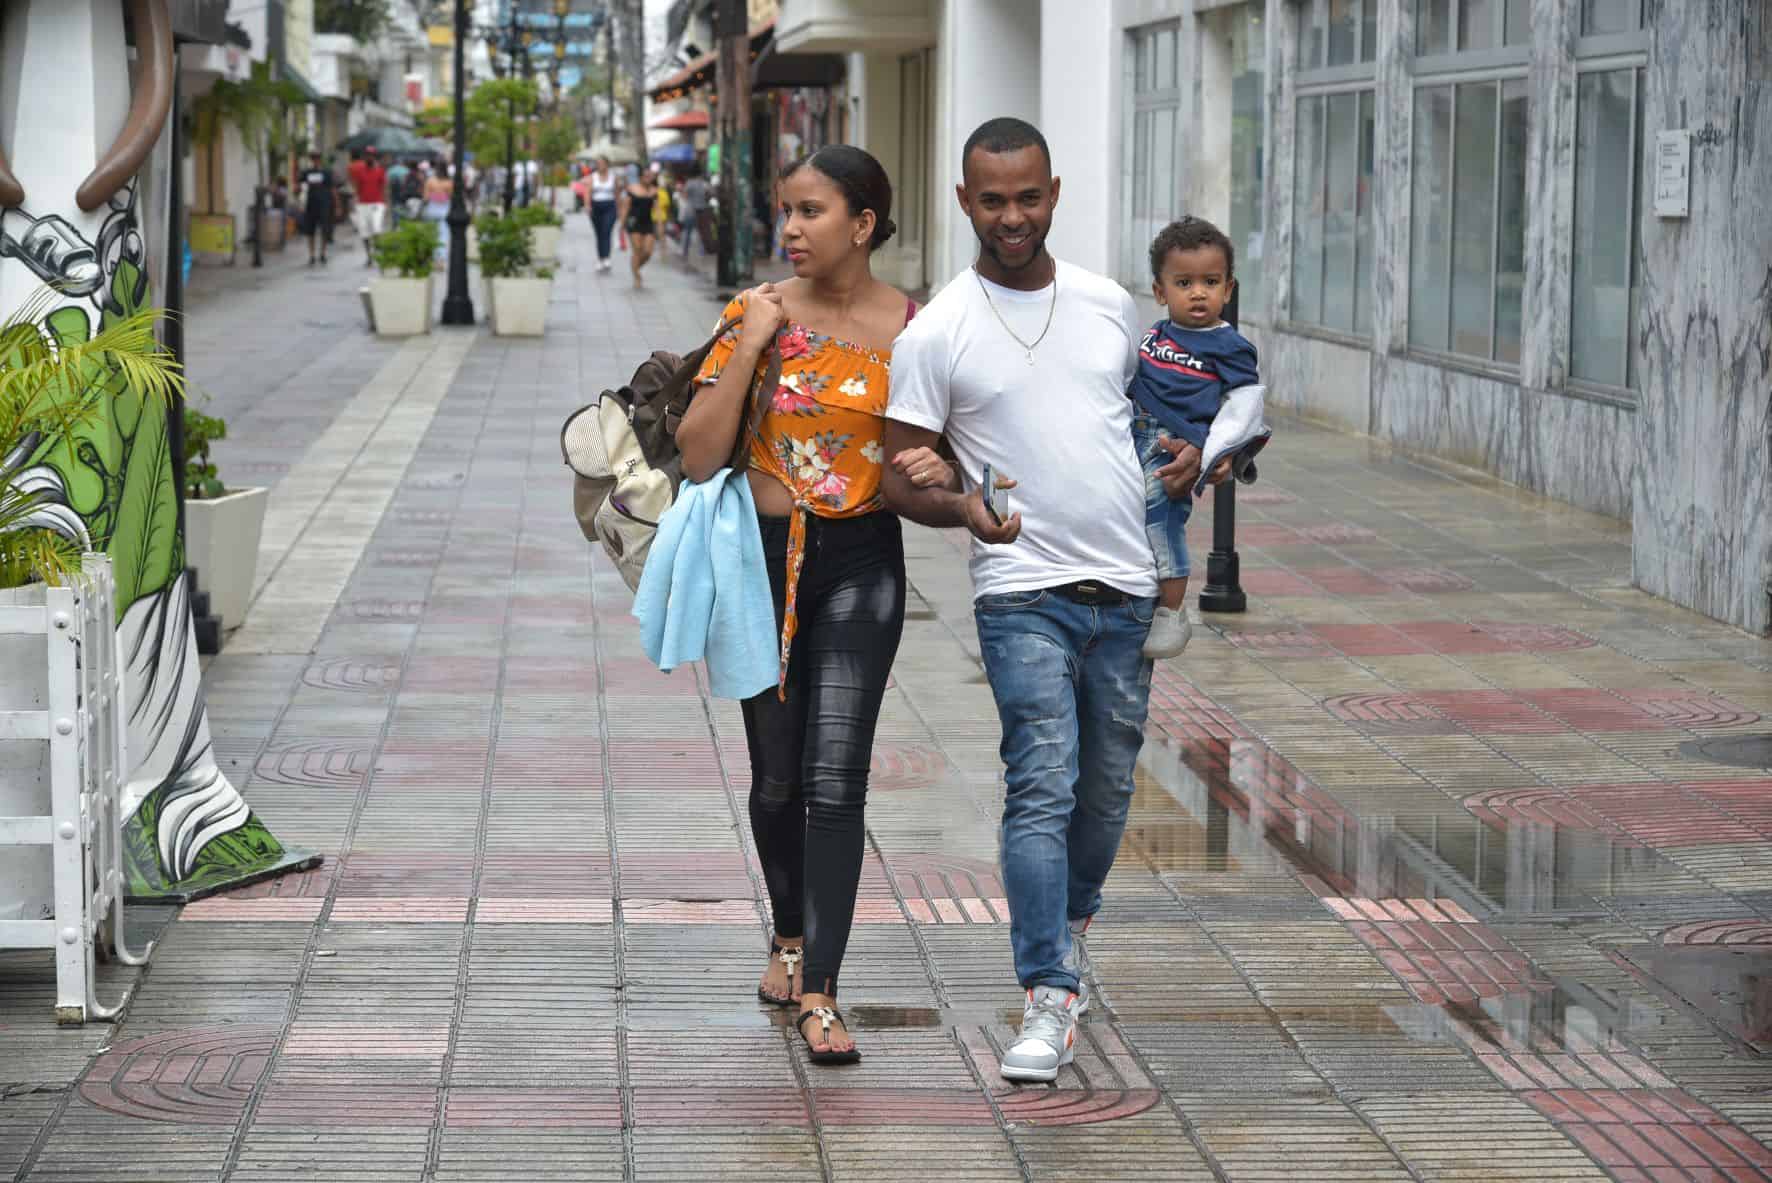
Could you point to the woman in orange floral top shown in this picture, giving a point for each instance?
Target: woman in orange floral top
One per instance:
(835, 555)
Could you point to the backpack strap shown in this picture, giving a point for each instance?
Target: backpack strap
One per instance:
(910, 310)
(756, 409)
(683, 378)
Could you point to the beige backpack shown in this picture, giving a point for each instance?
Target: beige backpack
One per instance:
(622, 450)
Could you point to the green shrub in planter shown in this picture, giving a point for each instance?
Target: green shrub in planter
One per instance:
(504, 247)
(201, 479)
(535, 214)
(408, 249)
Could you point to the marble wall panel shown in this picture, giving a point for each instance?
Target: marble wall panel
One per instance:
(1573, 449)
(1701, 510)
(1320, 379)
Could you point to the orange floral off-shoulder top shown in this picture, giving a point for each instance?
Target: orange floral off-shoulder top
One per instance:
(821, 436)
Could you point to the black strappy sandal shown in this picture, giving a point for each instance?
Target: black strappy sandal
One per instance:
(790, 958)
(826, 1015)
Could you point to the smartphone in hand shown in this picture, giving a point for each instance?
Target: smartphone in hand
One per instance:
(996, 501)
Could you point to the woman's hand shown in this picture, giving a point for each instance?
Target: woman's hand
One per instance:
(924, 469)
(763, 315)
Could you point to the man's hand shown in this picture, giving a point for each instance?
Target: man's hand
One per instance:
(985, 527)
(1180, 474)
(1221, 471)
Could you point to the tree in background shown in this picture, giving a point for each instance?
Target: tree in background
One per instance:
(258, 109)
(556, 139)
(580, 103)
(629, 20)
(362, 19)
(497, 116)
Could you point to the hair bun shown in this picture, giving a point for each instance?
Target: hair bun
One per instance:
(883, 231)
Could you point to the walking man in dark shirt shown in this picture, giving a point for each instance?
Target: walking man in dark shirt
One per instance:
(318, 200)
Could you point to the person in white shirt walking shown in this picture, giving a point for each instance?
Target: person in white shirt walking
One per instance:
(1023, 362)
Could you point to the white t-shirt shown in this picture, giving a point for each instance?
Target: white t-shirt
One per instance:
(1061, 427)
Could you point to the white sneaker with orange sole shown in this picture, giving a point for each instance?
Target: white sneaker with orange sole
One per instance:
(1048, 1036)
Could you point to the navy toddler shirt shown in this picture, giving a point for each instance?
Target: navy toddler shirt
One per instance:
(1183, 375)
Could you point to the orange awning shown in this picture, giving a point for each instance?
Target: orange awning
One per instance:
(681, 121)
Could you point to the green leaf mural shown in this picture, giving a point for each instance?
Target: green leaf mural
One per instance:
(111, 453)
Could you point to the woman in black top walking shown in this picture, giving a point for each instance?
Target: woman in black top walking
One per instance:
(636, 217)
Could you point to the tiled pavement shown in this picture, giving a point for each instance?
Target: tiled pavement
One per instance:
(1426, 876)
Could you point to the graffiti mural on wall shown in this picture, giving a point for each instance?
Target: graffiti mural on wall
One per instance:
(188, 829)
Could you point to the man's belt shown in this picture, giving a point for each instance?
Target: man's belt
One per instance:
(1092, 592)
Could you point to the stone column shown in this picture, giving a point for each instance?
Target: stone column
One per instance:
(1701, 513)
(1550, 195)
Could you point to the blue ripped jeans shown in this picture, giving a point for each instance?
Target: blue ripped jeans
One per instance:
(1072, 689)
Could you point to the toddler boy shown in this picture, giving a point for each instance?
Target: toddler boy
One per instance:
(1187, 362)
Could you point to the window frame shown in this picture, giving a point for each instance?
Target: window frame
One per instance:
(1499, 47)
(1325, 81)
(1133, 259)
(1499, 65)
(1308, 11)
(1593, 62)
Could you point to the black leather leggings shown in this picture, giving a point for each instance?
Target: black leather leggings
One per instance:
(810, 754)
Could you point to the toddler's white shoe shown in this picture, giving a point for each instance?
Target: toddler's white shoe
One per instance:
(1170, 632)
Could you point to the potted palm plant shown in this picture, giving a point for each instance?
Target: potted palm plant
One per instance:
(222, 525)
(519, 293)
(400, 297)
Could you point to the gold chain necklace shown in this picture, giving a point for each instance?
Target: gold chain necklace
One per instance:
(1026, 347)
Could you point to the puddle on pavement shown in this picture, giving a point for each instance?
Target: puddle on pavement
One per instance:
(1732, 987)
(1233, 807)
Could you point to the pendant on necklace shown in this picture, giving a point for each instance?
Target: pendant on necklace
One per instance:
(1030, 357)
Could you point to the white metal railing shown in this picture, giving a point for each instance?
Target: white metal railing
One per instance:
(85, 724)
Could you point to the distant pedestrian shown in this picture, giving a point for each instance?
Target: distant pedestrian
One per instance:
(636, 219)
(602, 186)
(319, 205)
(369, 181)
(696, 216)
(1024, 363)
(399, 185)
(439, 188)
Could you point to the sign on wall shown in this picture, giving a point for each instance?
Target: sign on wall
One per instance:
(1673, 173)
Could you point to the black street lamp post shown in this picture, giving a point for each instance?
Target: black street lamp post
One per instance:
(1224, 586)
(458, 306)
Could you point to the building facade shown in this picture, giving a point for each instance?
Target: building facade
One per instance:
(1530, 236)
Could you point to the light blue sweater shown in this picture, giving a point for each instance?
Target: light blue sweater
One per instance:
(704, 594)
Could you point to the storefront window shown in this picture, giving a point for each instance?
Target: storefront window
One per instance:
(1337, 33)
(1610, 16)
(1608, 189)
(1332, 212)
(1153, 181)
(1467, 224)
(1461, 26)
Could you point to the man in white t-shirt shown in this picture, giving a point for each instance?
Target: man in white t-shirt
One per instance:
(1023, 362)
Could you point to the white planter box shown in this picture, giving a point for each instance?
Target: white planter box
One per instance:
(520, 307)
(401, 307)
(221, 542)
(63, 762)
(544, 243)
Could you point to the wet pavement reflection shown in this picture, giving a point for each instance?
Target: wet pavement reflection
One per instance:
(1234, 806)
